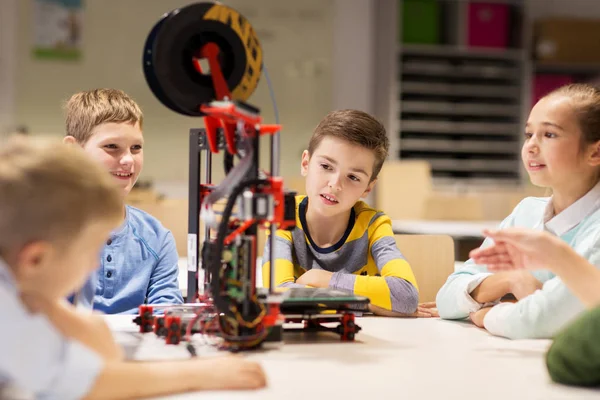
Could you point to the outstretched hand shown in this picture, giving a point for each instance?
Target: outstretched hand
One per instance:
(517, 248)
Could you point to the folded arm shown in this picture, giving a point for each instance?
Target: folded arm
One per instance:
(540, 315)
(396, 288)
(164, 286)
(285, 274)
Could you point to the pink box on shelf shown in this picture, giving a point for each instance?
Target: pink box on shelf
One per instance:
(545, 83)
(487, 24)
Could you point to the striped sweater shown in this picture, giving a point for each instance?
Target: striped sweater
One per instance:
(365, 261)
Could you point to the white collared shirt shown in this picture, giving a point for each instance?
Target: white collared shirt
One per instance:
(543, 313)
(571, 216)
(34, 357)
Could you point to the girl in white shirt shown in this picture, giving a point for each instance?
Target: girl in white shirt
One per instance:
(561, 151)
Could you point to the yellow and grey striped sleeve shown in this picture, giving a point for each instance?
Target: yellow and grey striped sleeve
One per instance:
(285, 272)
(396, 287)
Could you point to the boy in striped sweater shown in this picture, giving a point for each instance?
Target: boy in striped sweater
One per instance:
(339, 241)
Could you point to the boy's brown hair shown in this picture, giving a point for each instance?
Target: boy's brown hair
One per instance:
(356, 127)
(49, 191)
(86, 110)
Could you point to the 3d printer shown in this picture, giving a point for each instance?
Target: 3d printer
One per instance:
(205, 60)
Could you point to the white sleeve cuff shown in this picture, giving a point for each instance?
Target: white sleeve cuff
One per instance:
(468, 302)
(495, 320)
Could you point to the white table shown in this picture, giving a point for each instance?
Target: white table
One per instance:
(456, 229)
(391, 359)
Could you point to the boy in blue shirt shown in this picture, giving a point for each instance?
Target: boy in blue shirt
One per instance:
(56, 210)
(138, 264)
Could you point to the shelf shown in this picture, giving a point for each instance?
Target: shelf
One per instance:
(561, 68)
(495, 182)
(458, 128)
(460, 52)
(460, 90)
(437, 68)
(462, 146)
(458, 109)
(473, 165)
(509, 2)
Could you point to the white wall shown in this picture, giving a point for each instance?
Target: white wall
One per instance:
(8, 27)
(354, 55)
(297, 42)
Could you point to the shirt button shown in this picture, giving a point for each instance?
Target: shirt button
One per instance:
(109, 258)
(109, 242)
(108, 274)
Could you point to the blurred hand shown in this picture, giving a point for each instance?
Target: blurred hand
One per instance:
(231, 372)
(523, 284)
(516, 248)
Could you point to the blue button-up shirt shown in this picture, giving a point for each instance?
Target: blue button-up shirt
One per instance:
(35, 358)
(138, 266)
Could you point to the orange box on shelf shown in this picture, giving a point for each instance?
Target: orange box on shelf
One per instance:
(567, 41)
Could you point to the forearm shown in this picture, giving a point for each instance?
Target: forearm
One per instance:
(88, 329)
(163, 287)
(538, 316)
(133, 380)
(403, 294)
(492, 288)
(454, 300)
(387, 313)
(283, 258)
(291, 285)
(284, 274)
(478, 316)
(385, 293)
(172, 295)
(581, 277)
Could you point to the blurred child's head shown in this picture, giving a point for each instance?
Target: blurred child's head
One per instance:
(344, 157)
(107, 123)
(57, 208)
(562, 138)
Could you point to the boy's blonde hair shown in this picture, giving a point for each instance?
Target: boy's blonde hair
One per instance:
(49, 191)
(356, 127)
(86, 110)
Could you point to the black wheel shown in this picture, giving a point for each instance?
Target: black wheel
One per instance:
(175, 41)
(148, 65)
